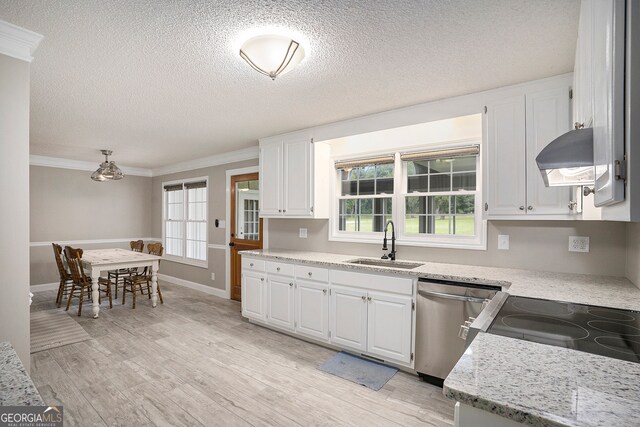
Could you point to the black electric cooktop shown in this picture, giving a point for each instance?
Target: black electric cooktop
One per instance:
(598, 330)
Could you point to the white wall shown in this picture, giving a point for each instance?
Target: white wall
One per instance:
(633, 253)
(14, 193)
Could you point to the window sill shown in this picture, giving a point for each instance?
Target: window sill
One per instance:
(193, 263)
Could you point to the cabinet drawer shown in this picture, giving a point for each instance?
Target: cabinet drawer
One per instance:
(252, 264)
(308, 272)
(279, 268)
(373, 282)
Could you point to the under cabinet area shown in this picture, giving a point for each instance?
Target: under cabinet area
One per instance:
(288, 184)
(369, 314)
(517, 128)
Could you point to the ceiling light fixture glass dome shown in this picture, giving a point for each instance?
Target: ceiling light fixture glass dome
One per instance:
(272, 54)
(107, 170)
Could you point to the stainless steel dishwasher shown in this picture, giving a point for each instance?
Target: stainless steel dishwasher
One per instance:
(442, 307)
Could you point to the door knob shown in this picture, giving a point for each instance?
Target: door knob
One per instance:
(231, 244)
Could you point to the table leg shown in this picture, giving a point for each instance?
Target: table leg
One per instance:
(154, 284)
(95, 294)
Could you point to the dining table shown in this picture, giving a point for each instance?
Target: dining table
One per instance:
(97, 261)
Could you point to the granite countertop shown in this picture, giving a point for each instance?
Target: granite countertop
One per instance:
(16, 388)
(542, 385)
(608, 291)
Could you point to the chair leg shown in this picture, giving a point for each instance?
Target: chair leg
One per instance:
(159, 293)
(81, 297)
(133, 291)
(109, 293)
(60, 292)
(73, 287)
(148, 289)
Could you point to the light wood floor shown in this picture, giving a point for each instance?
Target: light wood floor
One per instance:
(196, 361)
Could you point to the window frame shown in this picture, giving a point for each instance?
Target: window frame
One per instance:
(184, 259)
(476, 242)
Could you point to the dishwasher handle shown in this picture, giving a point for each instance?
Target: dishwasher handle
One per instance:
(449, 296)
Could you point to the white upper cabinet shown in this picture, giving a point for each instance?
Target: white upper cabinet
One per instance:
(271, 173)
(547, 117)
(517, 128)
(289, 167)
(505, 192)
(599, 91)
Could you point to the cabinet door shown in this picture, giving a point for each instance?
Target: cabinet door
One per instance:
(389, 326)
(505, 157)
(280, 302)
(582, 86)
(271, 179)
(312, 309)
(297, 178)
(607, 58)
(253, 295)
(349, 318)
(548, 116)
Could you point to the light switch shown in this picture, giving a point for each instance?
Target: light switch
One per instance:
(503, 242)
(303, 233)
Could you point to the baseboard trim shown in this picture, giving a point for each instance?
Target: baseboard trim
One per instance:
(221, 293)
(44, 287)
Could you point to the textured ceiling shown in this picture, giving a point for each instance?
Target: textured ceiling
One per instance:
(160, 81)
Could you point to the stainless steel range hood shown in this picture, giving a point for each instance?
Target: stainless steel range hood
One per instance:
(568, 159)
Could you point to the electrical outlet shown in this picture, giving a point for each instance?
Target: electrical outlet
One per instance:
(578, 244)
(303, 233)
(213, 276)
(503, 242)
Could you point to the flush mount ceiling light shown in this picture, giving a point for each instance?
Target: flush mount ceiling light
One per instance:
(107, 170)
(272, 55)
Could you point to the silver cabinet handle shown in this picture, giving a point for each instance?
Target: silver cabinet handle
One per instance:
(284, 210)
(290, 284)
(280, 210)
(530, 208)
(449, 296)
(262, 279)
(278, 269)
(521, 208)
(363, 298)
(369, 299)
(251, 265)
(310, 273)
(324, 291)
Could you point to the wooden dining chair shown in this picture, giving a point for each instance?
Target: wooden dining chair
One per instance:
(81, 281)
(65, 276)
(136, 281)
(118, 275)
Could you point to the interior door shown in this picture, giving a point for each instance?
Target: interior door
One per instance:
(245, 227)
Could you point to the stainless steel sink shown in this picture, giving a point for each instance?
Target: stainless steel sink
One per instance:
(385, 263)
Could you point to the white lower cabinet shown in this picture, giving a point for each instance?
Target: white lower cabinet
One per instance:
(280, 301)
(360, 312)
(253, 295)
(389, 326)
(349, 318)
(377, 323)
(312, 309)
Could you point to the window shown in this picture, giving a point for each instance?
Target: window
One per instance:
(185, 221)
(432, 196)
(441, 195)
(366, 195)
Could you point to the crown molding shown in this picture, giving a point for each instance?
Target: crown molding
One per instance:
(249, 153)
(18, 42)
(56, 162)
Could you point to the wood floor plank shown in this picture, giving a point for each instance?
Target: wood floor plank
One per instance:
(195, 361)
